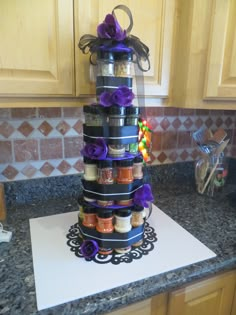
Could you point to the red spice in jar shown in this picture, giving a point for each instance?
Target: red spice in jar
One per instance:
(105, 172)
(125, 171)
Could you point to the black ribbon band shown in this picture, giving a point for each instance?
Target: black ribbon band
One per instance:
(94, 190)
(112, 135)
(110, 84)
(112, 240)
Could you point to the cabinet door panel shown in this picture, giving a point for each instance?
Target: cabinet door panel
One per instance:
(153, 24)
(221, 75)
(209, 297)
(36, 56)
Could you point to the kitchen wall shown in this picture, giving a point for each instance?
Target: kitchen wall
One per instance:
(43, 142)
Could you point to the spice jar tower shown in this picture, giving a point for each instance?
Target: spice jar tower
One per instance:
(112, 210)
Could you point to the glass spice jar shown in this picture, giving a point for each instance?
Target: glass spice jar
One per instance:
(116, 116)
(90, 217)
(104, 221)
(132, 116)
(123, 250)
(116, 150)
(125, 171)
(105, 203)
(133, 148)
(94, 115)
(105, 63)
(105, 172)
(123, 220)
(127, 202)
(123, 57)
(90, 169)
(137, 216)
(138, 167)
(137, 219)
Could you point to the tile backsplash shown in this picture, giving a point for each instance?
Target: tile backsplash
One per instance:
(44, 142)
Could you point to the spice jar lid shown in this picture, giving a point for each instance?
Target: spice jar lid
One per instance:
(125, 163)
(89, 209)
(138, 159)
(104, 213)
(123, 212)
(133, 110)
(116, 110)
(138, 208)
(87, 160)
(105, 163)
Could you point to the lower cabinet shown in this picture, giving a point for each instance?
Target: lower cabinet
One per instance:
(213, 296)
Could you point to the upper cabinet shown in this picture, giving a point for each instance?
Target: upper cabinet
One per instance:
(204, 71)
(221, 64)
(153, 24)
(37, 50)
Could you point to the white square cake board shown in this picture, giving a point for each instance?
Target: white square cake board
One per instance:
(60, 276)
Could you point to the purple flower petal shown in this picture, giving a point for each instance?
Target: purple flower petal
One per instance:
(143, 195)
(111, 29)
(105, 99)
(89, 248)
(97, 150)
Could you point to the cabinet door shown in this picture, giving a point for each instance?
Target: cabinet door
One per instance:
(209, 297)
(221, 73)
(157, 305)
(153, 24)
(36, 55)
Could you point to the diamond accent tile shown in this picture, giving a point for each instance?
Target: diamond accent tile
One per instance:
(199, 123)
(176, 123)
(162, 157)
(173, 156)
(188, 123)
(25, 128)
(6, 129)
(10, 172)
(64, 167)
(63, 127)
(165, 124)
(184, 155)
(195, 154)
(228, 122)
(29, 171)
(79, 166)
(78, 126)
(209, 122)
(45, 128)
(153, 123)
(46, 169)
(219, 122)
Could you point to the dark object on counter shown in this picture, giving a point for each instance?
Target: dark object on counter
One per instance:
(232, 199)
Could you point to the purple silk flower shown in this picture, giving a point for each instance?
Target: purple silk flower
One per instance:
(89, 248)
(122, 96)
(110, 29)
(143, 195)
(97, 150)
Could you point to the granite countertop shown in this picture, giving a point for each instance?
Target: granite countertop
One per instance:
(210, 220)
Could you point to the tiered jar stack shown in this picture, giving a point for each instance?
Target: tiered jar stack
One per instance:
(108, 212)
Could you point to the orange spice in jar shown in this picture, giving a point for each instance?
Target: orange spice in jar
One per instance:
(105, 203)
(104, 220)
(127, 202)
(89, 217)
(125, 171)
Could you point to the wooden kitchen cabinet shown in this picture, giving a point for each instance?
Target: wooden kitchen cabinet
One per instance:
(154, 306)
(204, 71)
(37, 50)
(153, 24)
(208, 297)
(213, 296)
(220, 80)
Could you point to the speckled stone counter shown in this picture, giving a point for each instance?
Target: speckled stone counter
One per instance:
(212, 221)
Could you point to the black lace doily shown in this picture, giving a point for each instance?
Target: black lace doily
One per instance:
(75, 240)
